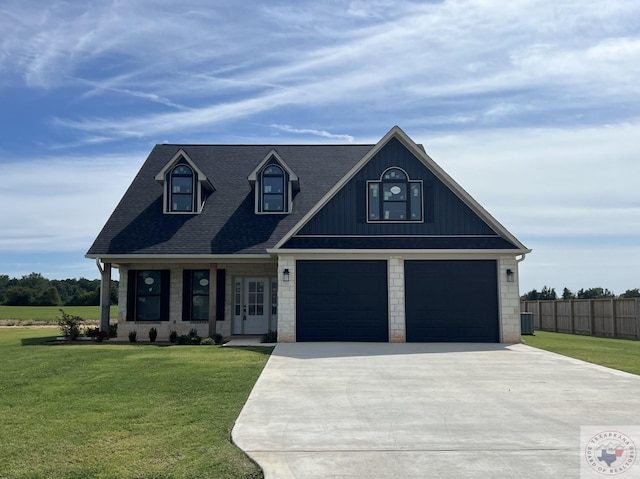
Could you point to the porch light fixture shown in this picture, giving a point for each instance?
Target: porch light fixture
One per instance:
(510, 276)
(285, 274)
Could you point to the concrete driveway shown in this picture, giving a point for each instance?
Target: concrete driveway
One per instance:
(376, 410)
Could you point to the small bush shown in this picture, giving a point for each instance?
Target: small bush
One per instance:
(69, 325)
(173, 337)
(102, 335)
(92, 332)
(191, 338)
(208, 341)
(217, 337)
(133, 336)
(270, 337)
(96, 334)
(113, 330)
(153, 334)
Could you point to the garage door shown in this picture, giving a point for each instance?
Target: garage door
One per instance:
(341, 301)
(451, 301)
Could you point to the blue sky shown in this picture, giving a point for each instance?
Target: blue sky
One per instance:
(532, 106)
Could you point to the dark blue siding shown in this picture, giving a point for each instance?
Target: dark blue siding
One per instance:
(445, 213)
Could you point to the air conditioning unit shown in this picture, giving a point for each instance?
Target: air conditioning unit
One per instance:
(526, 324)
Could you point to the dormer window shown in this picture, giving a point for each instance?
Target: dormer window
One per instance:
(274, 184)
(273, 189)
(186, 187)
(394, 198)
(182, 188)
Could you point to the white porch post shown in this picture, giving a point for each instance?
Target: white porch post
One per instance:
(213, 296)
(105, 295)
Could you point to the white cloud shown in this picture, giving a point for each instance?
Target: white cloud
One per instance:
(549, 183)
(350, 54)
(312, 132)
(530, 105)
(61, 203)
(576, 266)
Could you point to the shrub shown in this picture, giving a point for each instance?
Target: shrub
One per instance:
(113, 330)
(208, 341)
(69, 325)
(191, 338)
(133, 336)
(217, 337)
(102, 335)
(153, 334)
(270, 337)
(92, 332)
(173, 337)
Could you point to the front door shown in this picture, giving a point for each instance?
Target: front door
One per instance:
(256, 306)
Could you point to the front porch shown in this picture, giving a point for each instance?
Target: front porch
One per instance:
(230, 299)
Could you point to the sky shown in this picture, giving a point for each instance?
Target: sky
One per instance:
(531, 106)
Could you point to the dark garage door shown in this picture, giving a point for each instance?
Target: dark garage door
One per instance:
(341, 301)
(451, 301)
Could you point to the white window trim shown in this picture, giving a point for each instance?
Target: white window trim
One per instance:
(200, 182)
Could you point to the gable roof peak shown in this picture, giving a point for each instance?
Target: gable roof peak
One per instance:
(397, 133)
(181, 154)
(273, 153)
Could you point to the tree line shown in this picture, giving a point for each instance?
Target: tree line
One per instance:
(36, 290)
(591, 293)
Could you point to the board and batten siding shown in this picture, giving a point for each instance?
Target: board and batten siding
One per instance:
(444, 213)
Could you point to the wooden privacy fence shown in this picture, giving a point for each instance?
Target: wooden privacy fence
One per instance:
(614, 318)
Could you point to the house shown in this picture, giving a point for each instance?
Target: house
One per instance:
(319, 242)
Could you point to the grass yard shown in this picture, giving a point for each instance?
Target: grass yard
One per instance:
(25, 315)
(623, 354)
(120, 410)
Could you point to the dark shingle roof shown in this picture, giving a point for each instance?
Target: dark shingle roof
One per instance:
(227, 224)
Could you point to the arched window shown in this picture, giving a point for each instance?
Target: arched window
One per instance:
(394, 197)
(273, 189)
(182, 189)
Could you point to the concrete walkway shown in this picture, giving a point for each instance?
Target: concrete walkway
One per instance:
(376, 410)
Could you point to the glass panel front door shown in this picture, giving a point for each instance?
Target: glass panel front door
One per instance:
(256, 313)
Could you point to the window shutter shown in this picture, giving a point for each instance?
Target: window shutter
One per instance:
(131, 294)
(220, 294)
(187, 278)
(165, 292)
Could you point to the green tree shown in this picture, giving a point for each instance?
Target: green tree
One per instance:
(20, 296)
(34, 281)
(567, 294)
(545, 294)
(631, 293)
(595, 293)
(49, 297)
(4, 286)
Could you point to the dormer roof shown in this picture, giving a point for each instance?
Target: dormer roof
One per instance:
(182, 155)
(273, 154)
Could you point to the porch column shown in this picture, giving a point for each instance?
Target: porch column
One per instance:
(396, 291)
(213, 297)
(105, 296)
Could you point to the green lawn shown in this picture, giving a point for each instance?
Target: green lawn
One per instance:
(120, 410)
(47, 314)
(623, 354)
